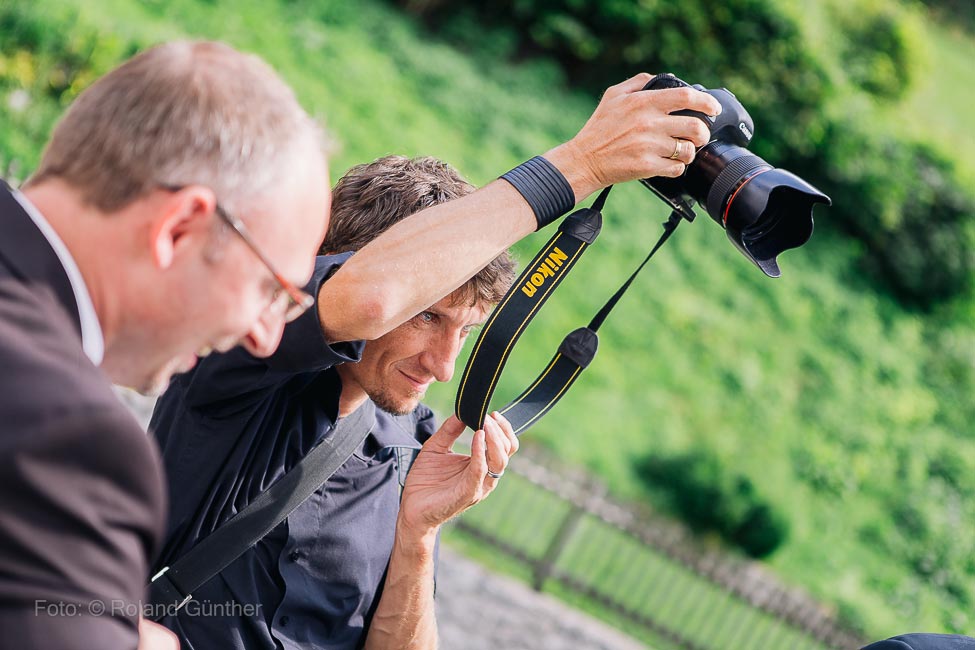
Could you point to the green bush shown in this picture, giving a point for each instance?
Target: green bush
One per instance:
(957, 12)
(709, 497)
(881, 46)
(46, 59)
(902, 200)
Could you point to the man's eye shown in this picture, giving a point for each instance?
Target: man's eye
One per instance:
(426, 317)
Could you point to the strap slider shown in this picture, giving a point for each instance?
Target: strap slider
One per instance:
(584, 224)
(580, 346)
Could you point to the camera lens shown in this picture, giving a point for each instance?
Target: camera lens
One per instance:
(764, 210)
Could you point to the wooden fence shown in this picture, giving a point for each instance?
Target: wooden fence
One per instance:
(647, 570)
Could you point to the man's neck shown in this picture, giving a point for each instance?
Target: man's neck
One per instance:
(79, 227)
(352, 395)
(347, 406)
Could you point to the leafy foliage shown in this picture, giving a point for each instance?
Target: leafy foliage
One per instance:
(880, 46)
(711, 497)
(903, 202)
(46, 59)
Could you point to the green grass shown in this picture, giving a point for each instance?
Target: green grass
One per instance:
(851, 414)
(931, 109)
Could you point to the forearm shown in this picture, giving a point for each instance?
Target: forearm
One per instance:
(405, 618)
(420, 260)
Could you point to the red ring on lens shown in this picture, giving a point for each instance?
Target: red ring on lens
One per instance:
(724, 218)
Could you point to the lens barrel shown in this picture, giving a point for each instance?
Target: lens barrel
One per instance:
(764, 210)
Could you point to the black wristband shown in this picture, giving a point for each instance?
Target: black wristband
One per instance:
(544, 187)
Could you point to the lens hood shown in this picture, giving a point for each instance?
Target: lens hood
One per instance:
(771, 212)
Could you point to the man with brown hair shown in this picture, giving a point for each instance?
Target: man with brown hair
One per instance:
(235, 423)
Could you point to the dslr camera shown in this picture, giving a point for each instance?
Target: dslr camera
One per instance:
(763, 209)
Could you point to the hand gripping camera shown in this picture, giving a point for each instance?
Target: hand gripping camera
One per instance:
(763, 209)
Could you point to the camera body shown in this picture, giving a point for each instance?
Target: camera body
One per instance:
(763, 209)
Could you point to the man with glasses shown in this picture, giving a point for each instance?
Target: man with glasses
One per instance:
(114, 254)
(115, 264)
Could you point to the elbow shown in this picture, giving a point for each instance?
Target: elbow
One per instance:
(376, 317)
(363, 317)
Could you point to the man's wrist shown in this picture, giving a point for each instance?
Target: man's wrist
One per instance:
(414, 541)
(574, 164)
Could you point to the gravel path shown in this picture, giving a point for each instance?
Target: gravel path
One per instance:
(479, 610)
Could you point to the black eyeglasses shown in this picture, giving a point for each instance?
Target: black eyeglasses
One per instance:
(288, 300)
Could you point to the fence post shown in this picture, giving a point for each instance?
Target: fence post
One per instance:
(543, 569)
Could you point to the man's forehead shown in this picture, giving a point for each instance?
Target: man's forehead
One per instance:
(459, 305)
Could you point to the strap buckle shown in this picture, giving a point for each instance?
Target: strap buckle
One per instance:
(167, 591)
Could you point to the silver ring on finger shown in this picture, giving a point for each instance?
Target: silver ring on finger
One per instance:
(495, 475)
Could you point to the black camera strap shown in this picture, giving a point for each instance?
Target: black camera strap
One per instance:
(173, 587)
(520, 305)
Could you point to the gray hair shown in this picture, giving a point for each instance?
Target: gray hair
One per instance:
(180, 113)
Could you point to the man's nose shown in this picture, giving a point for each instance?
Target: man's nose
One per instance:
(442, 356)
(264, 335)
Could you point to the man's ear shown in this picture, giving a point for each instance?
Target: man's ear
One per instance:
(181, 214)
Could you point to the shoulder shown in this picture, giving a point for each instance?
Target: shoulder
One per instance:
(924, 642)
(80, 483)
(46, 372)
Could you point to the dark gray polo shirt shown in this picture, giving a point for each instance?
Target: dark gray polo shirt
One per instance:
(229, 429)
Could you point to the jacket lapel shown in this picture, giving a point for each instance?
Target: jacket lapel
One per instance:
(30, 258)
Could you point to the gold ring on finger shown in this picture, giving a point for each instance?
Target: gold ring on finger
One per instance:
(678, 145)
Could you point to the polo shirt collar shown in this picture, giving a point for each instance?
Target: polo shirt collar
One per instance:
(395, 431)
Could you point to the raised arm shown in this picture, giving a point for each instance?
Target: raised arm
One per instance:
(421, 259)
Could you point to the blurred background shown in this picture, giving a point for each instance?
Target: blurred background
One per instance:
(812, 435)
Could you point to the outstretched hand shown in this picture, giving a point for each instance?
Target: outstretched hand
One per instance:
(632, 135)
(442, 484)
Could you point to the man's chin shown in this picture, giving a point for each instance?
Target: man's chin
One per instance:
(157, 383)
(396, 405)
(155, 386)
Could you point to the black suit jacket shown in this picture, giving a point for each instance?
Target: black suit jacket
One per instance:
(81, 493)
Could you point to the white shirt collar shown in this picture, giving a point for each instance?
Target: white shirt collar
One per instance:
(92, 338)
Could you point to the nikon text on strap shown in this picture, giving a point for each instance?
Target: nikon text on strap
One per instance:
(173, 587)
(520, 304)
